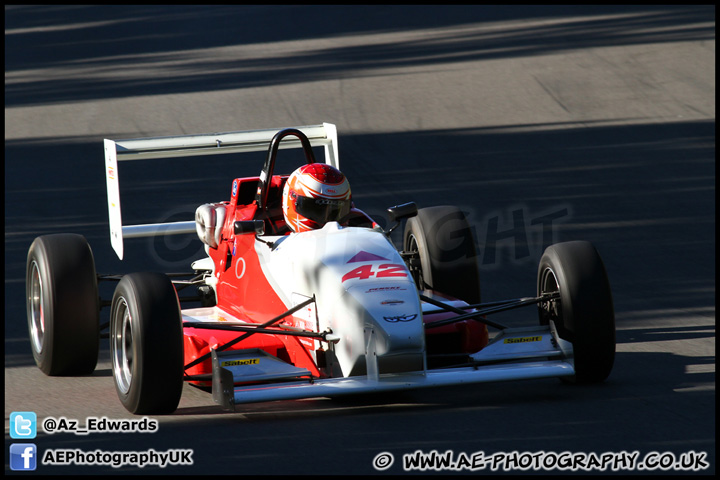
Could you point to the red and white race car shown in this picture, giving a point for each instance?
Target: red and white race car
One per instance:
(283, 315)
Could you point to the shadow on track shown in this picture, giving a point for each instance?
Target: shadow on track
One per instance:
(126, 41)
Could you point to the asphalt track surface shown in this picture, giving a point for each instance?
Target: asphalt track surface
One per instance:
(595, 122)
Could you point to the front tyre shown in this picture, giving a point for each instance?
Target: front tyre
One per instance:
(584, 314)
(146, 344)
(63, 307)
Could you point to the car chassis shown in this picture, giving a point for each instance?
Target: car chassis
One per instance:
(244, 355)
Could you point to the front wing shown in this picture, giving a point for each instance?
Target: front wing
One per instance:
(513, 354)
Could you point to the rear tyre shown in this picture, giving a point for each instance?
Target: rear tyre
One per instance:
(63, 307)
(445, 259)
(146, 344)
(584, 314)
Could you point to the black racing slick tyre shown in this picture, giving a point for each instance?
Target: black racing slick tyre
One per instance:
(443, 256)
(63, 306)
(584, 313)
(146, 344)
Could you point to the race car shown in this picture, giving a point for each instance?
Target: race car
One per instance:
(279, 314)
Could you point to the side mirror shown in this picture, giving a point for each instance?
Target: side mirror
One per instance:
(406, 210)
(256, 227)
(398, 212)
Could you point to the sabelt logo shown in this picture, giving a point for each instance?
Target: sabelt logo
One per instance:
(522, 340)
(235, 363)
(401, 318)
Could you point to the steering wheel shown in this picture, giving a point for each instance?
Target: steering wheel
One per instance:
(266, 175)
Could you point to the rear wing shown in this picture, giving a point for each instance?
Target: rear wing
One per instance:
(324, 135)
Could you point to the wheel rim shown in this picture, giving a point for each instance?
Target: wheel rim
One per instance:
(549, 284)
(122, 345)
(37, 316)
(415, 270)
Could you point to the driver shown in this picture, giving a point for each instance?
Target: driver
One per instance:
(315, 194)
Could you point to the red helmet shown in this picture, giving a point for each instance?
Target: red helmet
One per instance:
(315, 194)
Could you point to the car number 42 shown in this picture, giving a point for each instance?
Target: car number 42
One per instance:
(383, 271)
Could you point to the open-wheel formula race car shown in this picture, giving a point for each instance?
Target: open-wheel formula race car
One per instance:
(332, 311)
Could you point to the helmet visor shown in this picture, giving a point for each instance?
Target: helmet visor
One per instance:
(322, 210)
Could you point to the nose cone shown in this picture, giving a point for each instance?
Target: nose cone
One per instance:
(392, 326)
(364, 292)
